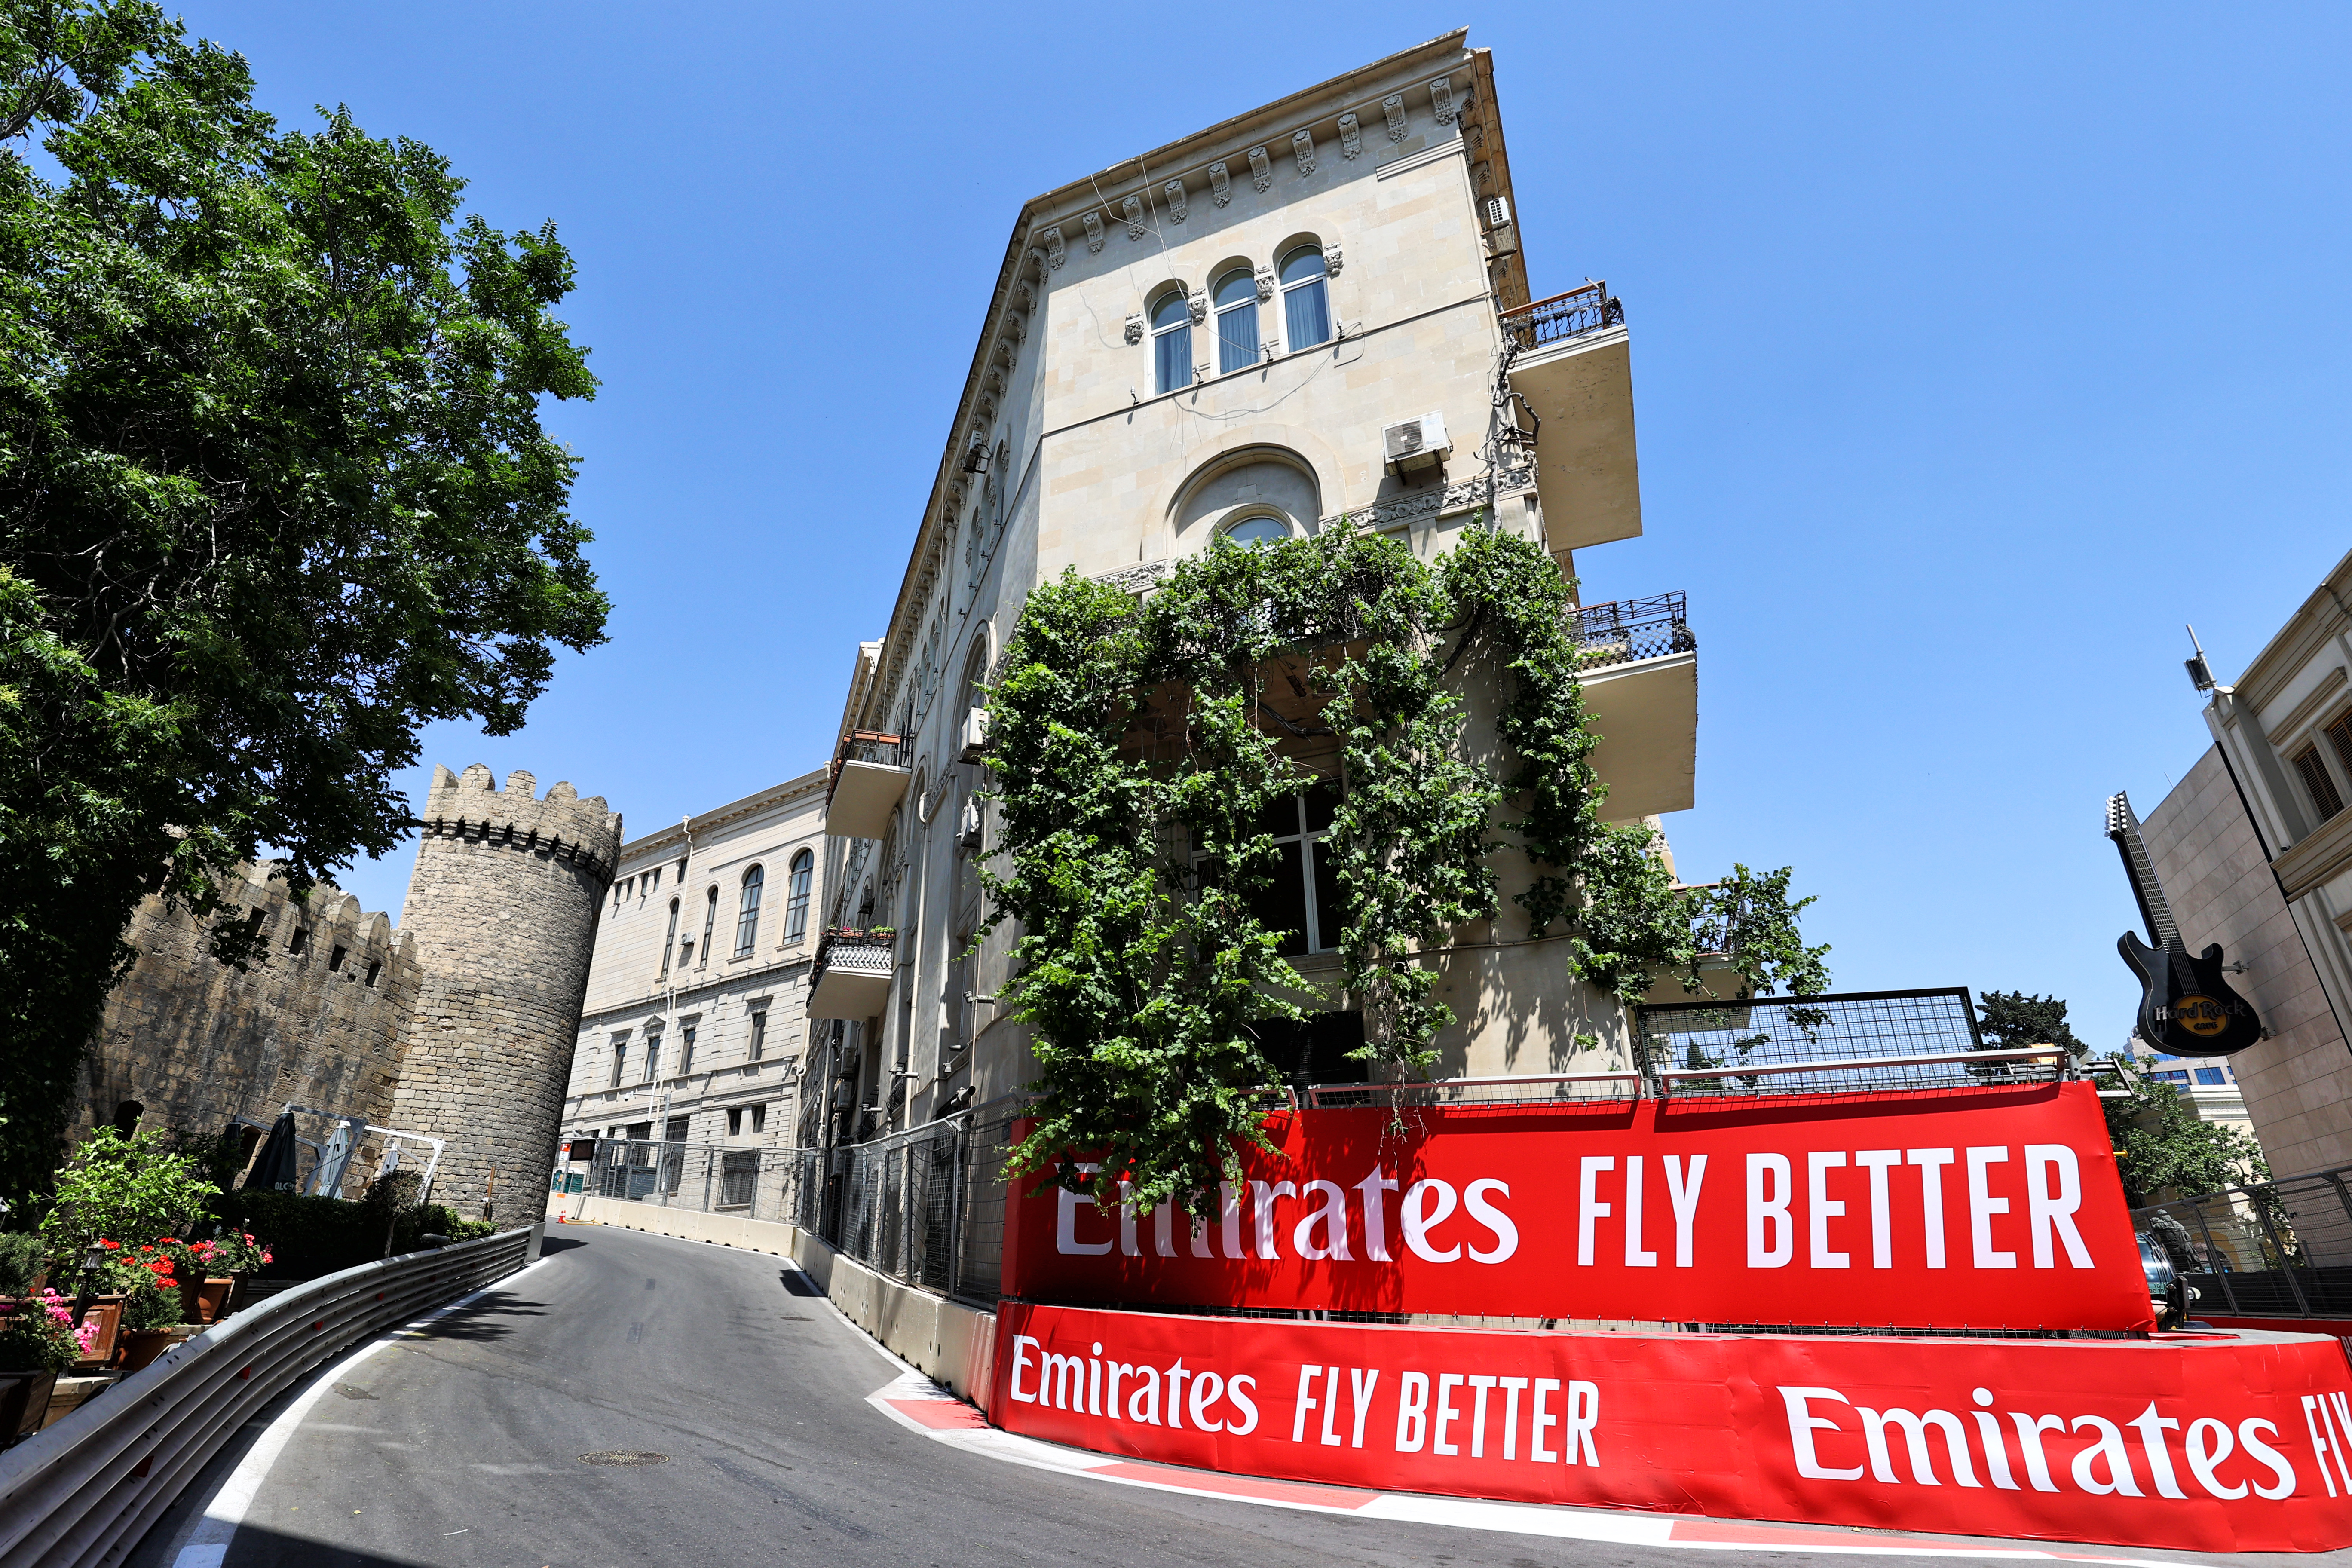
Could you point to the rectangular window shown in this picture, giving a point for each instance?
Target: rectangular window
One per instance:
(335, 959)
(2316, 780)
(1237, 338)
(373, 970)
(1303, 900)
(734, 1122)
(2211, 1075)
(758, 1035)
(674, 1156)
(758, 1118)
(620, 1057)
(796, 907)
(673, 1130)
(653, 1058)
(738, 1175)
(747, 912)
(1172, 358)
(710, 920)
(2339, 737)
(685, 1051)
(299, 940)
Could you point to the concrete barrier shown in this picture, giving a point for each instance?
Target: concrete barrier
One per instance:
(948, 1341)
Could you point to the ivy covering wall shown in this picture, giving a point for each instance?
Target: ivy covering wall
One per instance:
(1135, 747)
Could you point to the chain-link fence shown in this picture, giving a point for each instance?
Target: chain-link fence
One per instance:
(925, 1205)
(2281, 1249)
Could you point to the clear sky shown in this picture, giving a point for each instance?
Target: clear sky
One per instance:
(1973, 354)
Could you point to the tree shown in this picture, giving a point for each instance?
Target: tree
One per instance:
(273, 494)
(2010, 1020)
(2164, 1151)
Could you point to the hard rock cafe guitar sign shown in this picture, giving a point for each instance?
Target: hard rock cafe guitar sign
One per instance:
(2186, 1005)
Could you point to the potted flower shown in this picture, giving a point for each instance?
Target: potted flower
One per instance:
(238, 1255)
(151, 1309)
(37, 1341)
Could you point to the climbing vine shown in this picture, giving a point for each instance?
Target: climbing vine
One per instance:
(1135, 747)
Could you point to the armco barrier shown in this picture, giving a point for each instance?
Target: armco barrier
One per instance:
(87, 1489)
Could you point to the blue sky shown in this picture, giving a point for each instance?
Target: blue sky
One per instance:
(1974, 354)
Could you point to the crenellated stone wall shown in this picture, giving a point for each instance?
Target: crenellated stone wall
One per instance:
(458, 1024)
(319, 1019)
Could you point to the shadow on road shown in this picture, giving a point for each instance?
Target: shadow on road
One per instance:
(258, 1546)
(555, 1244)
(473, 1322)
(797, 1283)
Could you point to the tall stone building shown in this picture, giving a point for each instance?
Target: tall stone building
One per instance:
(457, 1024)
(1314, 315)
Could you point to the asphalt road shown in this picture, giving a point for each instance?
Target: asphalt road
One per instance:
(461, 1447)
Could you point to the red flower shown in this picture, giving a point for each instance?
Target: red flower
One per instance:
(114, 1244)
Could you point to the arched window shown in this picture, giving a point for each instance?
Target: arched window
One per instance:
(975, 676)
(710, 924)
(1171, 342)
(797, 895)
(1260, 530)
(747, 912)
(1236, 303)
(1306, 299)
(669, 940)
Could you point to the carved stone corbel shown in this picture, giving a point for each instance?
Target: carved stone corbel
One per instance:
(1135, 327)
(1221, 185)
(1302, 147)
(1197, 307)
(1261, 172)
(1265, 286)
(1393, 107)
(1440, 98)
(1133, 208)
(1055, 254)
(1174, 193)
(1331, 259)
(1351, 136)
(1094, 233)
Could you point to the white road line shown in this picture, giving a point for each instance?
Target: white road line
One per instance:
(204, 1540)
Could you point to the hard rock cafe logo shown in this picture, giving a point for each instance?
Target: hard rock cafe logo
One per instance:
(2200, 1016)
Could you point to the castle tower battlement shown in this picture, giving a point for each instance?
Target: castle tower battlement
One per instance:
(501, 915)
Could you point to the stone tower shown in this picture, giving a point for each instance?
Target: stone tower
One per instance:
(501, 916)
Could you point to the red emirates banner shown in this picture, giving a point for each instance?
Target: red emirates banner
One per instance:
(1972, 1208)
(2201, 1445)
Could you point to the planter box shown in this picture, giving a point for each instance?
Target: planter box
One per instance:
(24, 1402)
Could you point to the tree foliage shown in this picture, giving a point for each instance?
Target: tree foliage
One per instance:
(273, 494)
(2010, 1020)
(2163, 1150)
(1135, 747)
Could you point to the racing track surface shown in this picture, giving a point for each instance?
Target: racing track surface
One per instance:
(460, 1444)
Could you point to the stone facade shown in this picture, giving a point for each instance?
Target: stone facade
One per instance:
(695, 1028)
(502, 912)
(457, 1025)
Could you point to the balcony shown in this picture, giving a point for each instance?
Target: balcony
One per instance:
(1573, 367)
(870, 780)
(1639, 666)
(852, 974)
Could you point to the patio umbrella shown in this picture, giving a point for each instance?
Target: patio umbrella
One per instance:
(273, 1170)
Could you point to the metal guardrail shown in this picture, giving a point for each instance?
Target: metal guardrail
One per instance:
(1624, 630)
(86, 1490)
(2279, 1248)
(1563, 316)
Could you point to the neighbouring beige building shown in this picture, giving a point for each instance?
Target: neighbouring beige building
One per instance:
(693, 1030)
(2255, 850)
(1313, 311)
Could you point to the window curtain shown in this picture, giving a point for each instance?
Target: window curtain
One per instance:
(1306, 314)
(1172, 354)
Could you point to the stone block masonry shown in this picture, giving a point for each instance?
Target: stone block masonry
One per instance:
(501, 917)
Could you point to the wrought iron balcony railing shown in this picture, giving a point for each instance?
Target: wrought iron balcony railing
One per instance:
(1563, 316)
(866, 746)
(1624, 630)
(869, 952)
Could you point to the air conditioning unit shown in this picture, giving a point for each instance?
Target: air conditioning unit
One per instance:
(1499, 211)
(972, 740)
(1417, 443)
